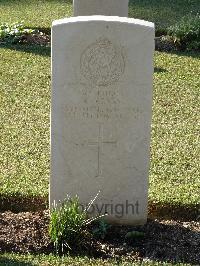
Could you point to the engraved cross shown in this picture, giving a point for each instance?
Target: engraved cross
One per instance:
(99, 143)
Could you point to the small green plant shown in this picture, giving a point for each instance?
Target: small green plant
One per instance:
(14, 32)
(101, 229)
(187, 32)
(132, 236)
(68, 225)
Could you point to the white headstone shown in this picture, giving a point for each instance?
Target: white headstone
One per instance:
(101, 7)
(102, 71)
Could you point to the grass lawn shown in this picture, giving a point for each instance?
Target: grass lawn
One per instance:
(34, 13)
(42, 260)
(175, 164)
(24, 113)
(24, 129)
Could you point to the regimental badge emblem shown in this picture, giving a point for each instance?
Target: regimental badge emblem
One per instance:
(102, 63)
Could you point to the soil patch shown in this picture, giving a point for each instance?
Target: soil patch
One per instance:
(163, 240)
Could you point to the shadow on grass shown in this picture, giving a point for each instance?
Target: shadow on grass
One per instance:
(159, 70)
(46, 51)
(34, 49)
(163, 13)
(194, 54)
(12, 262)
(181, 212)
(19, 203)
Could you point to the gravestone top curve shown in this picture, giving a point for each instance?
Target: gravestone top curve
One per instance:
(94, 18)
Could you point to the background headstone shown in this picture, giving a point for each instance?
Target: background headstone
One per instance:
(102, 71)
(101, 7)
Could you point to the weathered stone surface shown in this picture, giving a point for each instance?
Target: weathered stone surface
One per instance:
(101, 7)
(101, 114)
